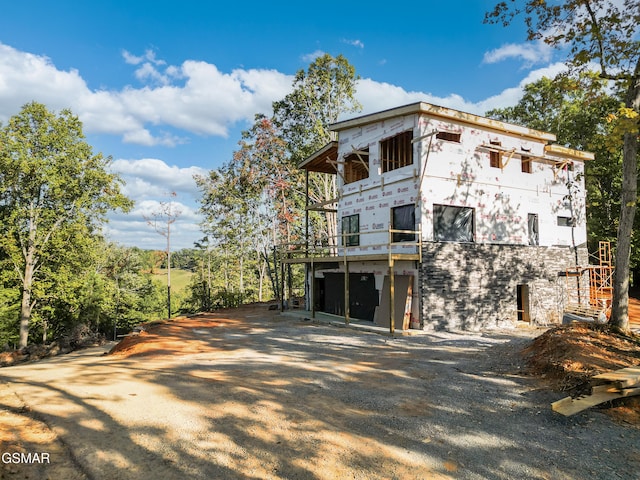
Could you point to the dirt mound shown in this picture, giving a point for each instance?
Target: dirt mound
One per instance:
(567, 357)
(572, 354)
(184, 335)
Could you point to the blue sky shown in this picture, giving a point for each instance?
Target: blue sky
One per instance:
(165, 88)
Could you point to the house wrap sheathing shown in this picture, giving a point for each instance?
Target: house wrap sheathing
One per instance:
(446, 220)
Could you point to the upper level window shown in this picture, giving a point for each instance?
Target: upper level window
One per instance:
(356, 166)
(526, 164)
(566, 222)
(404, 218)
(396, 152)
(453, 224)
(351, 224)
(449, 136)
(495, 158)
(534, 235)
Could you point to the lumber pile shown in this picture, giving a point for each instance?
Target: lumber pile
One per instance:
(611, 385)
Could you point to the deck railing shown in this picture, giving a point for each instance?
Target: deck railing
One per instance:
(339, 248)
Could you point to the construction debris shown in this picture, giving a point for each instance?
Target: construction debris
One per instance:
(620, 383)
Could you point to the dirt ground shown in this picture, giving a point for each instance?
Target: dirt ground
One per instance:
(560, 359)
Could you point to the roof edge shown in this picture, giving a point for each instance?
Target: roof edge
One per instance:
(443, 112)
(569, 152)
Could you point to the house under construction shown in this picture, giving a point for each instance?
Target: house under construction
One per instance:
(448, 220)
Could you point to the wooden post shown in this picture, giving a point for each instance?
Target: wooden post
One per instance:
(282, 283)
(312, 288)
(346, 287)
(392, 294)
(306, 215)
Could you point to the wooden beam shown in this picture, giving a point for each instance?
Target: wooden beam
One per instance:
(625, 377)
(317, 205)
(569, 406)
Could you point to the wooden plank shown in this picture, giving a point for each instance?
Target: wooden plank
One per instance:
(607, 387)
(625, 377)
(569, 406)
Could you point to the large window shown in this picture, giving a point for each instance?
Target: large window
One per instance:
(356, 166)
(453, 224)
(404, 218)
(534, 235)
(351, 225)
(396, 152)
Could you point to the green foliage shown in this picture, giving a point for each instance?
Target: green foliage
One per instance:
(577, 112)
(54, 195)
(256, 201)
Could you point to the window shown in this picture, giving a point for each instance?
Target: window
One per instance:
(448, 136)
(526, 164)
(534, 236)
(351, 224)
(404, 218)
(396, 152)
(566, 222)
(356, 166)
(495, 158)
(453, 224)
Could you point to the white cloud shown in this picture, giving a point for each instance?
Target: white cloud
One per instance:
(531, 53)
(206, 102)
(354, 43)
(152, 177)
(376, 96)
(310, 57)
(25, 77)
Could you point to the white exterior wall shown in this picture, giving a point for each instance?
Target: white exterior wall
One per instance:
(459, 174)
(373, 198)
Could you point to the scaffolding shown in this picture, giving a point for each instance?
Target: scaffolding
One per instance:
(589, 289)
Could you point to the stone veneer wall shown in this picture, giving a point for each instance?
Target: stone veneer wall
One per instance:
(472, 286)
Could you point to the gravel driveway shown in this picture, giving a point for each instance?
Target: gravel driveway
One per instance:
(272, 397)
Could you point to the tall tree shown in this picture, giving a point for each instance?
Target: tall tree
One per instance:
(52, 186)
(604, 32)
(576, 111)
(319, 97)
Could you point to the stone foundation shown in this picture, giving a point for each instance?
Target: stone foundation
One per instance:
(475, 286)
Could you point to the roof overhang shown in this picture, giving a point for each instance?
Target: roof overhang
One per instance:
(568, 153)
(444, 113)
(320, 161)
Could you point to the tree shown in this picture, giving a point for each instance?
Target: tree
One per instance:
(605, 33)
(53, 192)
(256, 200)
(161, 220)
(319, 97)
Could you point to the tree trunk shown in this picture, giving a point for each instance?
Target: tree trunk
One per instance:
(628, 200)
(27, 304)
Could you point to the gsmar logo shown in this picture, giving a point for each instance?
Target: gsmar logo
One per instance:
(28, 458)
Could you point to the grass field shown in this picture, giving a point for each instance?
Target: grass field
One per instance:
(179, 278)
